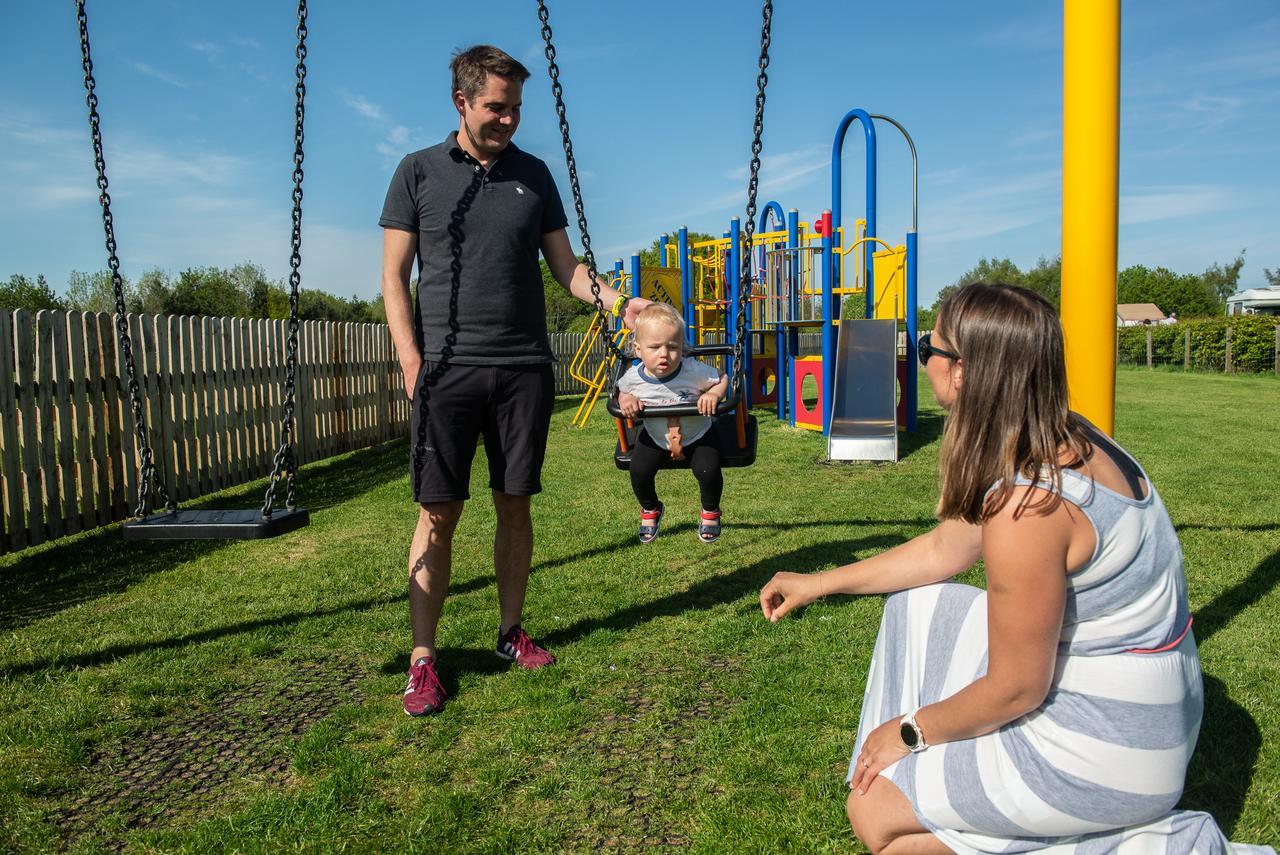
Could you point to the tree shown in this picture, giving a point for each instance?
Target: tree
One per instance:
(992, 271)
(154, 294)
(562, 307)
(20, 292)
(1186, 294)
(208, 291)
(94, 292)
(650, 257)
(1046, 279)
(1223, 280)
(1273, 276)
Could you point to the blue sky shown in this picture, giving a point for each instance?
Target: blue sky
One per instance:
(197, 107)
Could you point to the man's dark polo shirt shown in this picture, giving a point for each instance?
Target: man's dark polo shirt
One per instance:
(479, 234)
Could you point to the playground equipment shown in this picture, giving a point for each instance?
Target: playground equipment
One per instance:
(176, 524)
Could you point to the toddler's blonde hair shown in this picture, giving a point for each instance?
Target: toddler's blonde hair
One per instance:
(661, 313)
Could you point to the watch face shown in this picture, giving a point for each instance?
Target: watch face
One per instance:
(909, 736)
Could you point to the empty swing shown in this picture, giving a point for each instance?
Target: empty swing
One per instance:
(172, 523)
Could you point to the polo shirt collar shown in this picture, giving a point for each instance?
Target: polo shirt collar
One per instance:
(451, 143)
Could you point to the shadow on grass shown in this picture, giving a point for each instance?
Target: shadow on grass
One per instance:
(928, 429)
(120, 651)
(724, 588)
(48, 579)
(1218, 613)
(676, 529)
(1221, 770)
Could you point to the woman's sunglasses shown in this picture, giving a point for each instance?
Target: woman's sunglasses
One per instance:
(925, 349)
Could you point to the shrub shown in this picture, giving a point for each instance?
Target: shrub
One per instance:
(1253, 342)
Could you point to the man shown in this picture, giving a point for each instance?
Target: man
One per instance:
(475, 211)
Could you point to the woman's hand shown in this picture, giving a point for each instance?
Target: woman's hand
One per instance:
(707, 402)
(883, 747)
(787, 591)
(629, 404)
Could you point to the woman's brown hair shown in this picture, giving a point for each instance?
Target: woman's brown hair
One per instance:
(1010, 416)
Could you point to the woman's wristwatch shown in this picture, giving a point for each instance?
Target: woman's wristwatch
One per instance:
(912, 735)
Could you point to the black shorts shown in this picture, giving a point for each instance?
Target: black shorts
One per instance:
(509, 405)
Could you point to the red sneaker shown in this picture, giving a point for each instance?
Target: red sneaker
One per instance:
(517, 646)
(424, 694)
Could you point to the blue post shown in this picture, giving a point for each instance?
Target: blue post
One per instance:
(686, 282)
(733, 273)
(909, 390)
(828, 327)
(869, 132)
(636, 283)
(789, 338)
(662, 249)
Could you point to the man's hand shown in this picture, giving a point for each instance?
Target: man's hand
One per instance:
(629, 404)
(634, 306)
(708, 401)
(411, 365)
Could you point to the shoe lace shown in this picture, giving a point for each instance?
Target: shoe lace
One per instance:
(423, 678)
(523, 643)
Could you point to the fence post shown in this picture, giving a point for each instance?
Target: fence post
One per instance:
(1227, 365)
(1186, 350)
(1277, 351)
(1148, 347)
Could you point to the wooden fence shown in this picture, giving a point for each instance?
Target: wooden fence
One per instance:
(213, 398)
(212, 391)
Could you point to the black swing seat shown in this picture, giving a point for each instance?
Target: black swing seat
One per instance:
(732, 455)
(248, 524)
(726, 432)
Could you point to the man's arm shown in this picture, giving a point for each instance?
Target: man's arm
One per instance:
(398, 251)
(575, 278)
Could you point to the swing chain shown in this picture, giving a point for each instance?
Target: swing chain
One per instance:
(285, 461)
(753, 185)
(147, 473)
(588, 256)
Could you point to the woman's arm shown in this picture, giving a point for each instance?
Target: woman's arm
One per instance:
(949, 548)
(1026, 564)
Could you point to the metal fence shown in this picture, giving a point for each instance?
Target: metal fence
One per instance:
(1247, 347)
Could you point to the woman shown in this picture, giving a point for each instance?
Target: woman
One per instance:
(1058, 709)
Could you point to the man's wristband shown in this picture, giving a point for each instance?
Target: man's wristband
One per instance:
(618, 305)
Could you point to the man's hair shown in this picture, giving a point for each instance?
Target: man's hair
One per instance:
(1010, 415)
(661, 313)
(473, 65)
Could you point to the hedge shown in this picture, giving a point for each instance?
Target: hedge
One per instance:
(1253, 343)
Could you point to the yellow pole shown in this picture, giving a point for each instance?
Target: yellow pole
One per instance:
(1090, 196)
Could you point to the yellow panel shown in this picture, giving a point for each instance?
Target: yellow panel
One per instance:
(662, 284)
(891, 283)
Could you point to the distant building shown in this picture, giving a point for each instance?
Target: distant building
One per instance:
(1137, 314)
(1255, 301)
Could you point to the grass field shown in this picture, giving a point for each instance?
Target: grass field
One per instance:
(246, 696)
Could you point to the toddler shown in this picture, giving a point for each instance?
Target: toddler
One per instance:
(664, 377)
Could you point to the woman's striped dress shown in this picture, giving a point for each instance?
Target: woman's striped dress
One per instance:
(1100, 765)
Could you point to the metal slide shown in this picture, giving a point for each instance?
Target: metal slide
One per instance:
(864, 408)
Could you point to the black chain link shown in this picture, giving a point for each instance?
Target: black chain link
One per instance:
(587, 255)
(285, 460)
(753, 185)
(147, 473)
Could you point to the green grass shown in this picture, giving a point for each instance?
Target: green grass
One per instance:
(204, 696)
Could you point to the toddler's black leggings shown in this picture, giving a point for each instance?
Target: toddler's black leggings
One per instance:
(704, 460)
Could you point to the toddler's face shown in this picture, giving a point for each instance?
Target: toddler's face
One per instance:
(659, 347)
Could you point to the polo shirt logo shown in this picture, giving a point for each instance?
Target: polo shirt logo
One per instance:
(520, 190)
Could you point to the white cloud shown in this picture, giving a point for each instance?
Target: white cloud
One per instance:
(148, 70)
(1150, 205)
(363, 106)
(209, 49)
